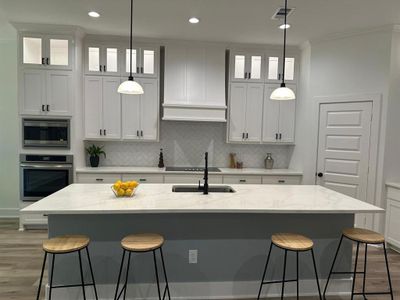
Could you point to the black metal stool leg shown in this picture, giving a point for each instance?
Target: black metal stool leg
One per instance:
(297, 275)
(51, 275)
(81, 269)
(316, 273)
(284, 273)
(265, 271)
(333, 264)
(156, 270)
(388, 272)
(355, 271)
(119, 275)
(126, 276)
(165, 275)
(41, 276)
(365, 269)
(91, 272)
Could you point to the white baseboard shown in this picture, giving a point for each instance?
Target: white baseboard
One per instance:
(205, 290)
(9, 212)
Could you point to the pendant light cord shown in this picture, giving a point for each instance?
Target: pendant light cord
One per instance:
(284, 45)
(130, 43)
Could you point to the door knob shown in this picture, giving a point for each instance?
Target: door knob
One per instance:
(320, 174)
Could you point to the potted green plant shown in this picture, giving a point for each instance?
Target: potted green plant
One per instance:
(94, 154)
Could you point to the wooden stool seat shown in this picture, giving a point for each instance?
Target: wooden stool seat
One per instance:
(142, 242)
(363, 235)
(66, 244)
(292, 241)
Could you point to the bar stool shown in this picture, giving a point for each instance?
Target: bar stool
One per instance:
(142, 243)
(294, 243)
(66, 244)
(362, 236)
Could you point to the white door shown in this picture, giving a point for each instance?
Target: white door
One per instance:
(254, 104)
(287, 116)
(237, 112)
(93, 106)
(149, 104)
(59, 93)
(33, 92)
(111, 108)
(343, 149)
(131, 117)
(270, 131)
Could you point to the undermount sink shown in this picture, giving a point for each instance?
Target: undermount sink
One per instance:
(195, 189)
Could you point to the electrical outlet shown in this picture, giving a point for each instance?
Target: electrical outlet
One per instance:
(193, 256)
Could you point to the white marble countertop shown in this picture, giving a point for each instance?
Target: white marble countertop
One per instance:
(393, 184)
(159, 198)
(155, 170)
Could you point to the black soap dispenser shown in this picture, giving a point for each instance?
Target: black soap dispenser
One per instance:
(161, 159)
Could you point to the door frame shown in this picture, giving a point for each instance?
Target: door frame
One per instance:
(372, 176)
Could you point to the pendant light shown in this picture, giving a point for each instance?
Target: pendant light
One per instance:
(283, 92)
(130, 86)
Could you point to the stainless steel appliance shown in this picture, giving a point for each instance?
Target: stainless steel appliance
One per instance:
(42, 175)
(46, 133)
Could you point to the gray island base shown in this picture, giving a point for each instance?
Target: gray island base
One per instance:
(232, 241)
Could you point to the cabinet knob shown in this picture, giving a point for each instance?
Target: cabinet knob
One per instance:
(320, 174)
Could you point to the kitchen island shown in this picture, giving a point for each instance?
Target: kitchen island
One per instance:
(231, 232)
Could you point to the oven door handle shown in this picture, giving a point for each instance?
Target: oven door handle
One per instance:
(47, 166)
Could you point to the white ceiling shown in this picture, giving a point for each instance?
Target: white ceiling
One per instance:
(243, 21)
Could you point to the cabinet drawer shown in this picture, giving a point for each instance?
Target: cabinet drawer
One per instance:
(144, 178)
(97, 178)
(27, 219)
(237, 179)
(193, 179)
(281, 180)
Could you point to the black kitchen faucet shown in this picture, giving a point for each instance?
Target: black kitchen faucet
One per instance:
(204, 188)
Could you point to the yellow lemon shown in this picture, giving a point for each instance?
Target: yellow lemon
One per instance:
(118, 182)
(117, 186)
(120, 192)
(134, 184)
(130, 184)
(128, 192)
(124, 185)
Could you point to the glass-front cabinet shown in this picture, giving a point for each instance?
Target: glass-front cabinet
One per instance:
(101, 59)
(46, 51)
(247, 66)
(144, 61)
(274, 63)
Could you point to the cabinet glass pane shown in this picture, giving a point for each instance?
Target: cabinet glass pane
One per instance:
(94, 59)
(273, 68)
(32, 50)
(112, 60)
(239, 66)
(256, 67)
(59, 52)
(289, 68)
(128, 60)
(148, 62)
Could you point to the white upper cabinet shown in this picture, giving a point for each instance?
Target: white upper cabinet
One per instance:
(140, 113)
(278, 117)
(46, 92)
(145, 61)
(247, 66)
(102, 59)
(274, 68)
(102, 108)
(46, 51)
(245, 112)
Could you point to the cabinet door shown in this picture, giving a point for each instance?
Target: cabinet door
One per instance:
(274, 68)
(242, 179)
(149, 105)
(131, 117)
(287, 115)
(254, 104)
(93, 58)
(149, 62)
(255, 67)
(237, 111)
(59, 52)
(127, 61)
(97, 178)
(93, 106)
(111, 108)
(110, 60)
(270, 115)
(33, 92)
(238, 66)
(59, 93)
(32, 50)
(175, 75)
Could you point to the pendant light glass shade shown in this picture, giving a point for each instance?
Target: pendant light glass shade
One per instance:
(130, 87)
(283, 93)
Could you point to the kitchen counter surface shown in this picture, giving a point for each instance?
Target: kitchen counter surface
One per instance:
(393, 184)
(155, 170)
(159, 198)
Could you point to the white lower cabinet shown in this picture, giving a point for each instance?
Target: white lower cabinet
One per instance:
(144, 178)
(281, 180)
(97, 177)
(32, 220)
(393, 217)
(239, 179)
(192, 178)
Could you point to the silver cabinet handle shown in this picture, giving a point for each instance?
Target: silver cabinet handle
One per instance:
(242, 180)
(99, 179)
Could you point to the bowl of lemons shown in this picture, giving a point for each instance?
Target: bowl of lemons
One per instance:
(124, 188)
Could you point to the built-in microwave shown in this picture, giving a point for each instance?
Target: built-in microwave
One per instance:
(44, 133)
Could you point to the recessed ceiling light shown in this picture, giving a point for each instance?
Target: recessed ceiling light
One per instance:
(284, 26)
(194, 20)
(93, 14)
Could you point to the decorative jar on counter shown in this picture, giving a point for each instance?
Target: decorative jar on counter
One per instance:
(269, 161)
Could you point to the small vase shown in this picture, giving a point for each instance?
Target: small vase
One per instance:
(269, 161)
(94, 161)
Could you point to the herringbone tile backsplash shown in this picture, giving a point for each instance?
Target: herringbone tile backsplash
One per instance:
(184, 144)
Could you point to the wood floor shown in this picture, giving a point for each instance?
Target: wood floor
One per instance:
(21, 258)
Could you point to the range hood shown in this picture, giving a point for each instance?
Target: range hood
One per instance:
(194, 83)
